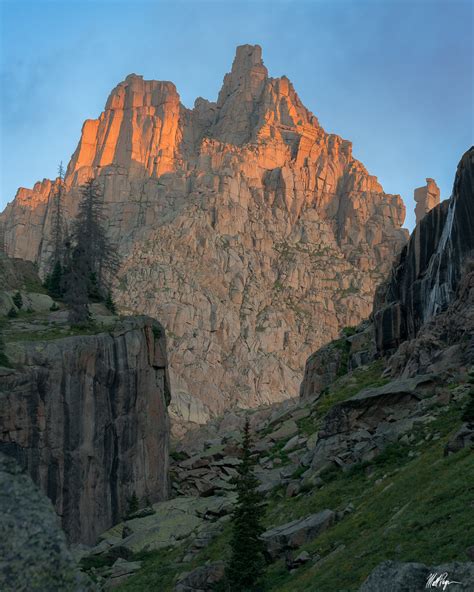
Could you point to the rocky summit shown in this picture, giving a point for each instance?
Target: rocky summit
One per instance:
(248, 230)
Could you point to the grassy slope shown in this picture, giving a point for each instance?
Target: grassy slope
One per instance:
(421, 511)
(407, 508)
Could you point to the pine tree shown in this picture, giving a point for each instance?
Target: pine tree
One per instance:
(92, 242)
(247, 564)
(18, 300)
(110, 304)
(133, 504)
(76, 295)
(91, 259)
(53, 281)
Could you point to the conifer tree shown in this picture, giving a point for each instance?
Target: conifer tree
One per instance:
(53, 280)
(110, 304)
(91, 258)
(246, 565)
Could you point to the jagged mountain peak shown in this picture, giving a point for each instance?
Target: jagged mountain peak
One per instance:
(239, 223)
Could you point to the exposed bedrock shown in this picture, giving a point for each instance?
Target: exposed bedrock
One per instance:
(87, 417)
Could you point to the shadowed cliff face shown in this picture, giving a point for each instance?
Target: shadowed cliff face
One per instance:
(87, 417)
(425, 280)
(251, 233)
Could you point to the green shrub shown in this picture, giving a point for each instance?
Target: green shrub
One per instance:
(132, 504)
(468, 413)
(12, 313)
(18, 300)
(110, 304)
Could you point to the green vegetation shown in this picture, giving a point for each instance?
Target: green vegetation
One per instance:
(344, 388)
(178, 456)
(12, 313)
(246, 565)
(48, 333)
(158, 571)
(4, 361)
(468, 414)
(411, 503)
(407, 509)
(18, 300)
(54, 281)
(110, 304)
(132, 504)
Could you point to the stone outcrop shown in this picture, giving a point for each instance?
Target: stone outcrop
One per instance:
(394, 576)
(201, 579)
(33, 550)
(87, 417)
(296, 533)
(426, 198)
(446, 341)
(426, 278)
(361, 427)
(354, 348)
(252, 233)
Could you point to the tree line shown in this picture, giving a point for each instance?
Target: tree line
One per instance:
(83, 261)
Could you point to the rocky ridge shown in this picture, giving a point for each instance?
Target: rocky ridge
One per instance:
(249, 189)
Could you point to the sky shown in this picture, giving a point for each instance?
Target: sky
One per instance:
(395, 77)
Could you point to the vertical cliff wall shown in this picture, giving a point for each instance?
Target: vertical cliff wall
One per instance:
(87, 417)
(424, 281)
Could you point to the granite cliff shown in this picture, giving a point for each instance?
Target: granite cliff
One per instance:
(86, 415)
(252, 233)
(426, 277)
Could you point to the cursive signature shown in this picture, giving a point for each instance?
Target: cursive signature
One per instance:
(439, 581)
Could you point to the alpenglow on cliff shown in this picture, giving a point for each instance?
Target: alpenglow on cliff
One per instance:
(250, 232)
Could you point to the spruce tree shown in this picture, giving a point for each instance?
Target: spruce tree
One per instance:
(91, 258)
(110, 304)
(53, 281)
(247, 563)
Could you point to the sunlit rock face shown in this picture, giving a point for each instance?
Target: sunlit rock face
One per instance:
(426, 198)
(248, 230)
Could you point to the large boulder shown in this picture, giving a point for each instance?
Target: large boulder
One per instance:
(360, 427)
(201, 579)
(172, 522)
(33, 553)
(394, 576)
(293, 535)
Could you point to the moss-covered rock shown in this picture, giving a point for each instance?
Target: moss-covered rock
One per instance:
(33, 548)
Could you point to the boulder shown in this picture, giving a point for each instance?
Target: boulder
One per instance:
(286, 430)
(201, 579)
(172, 522)
(296, 533)
(394, 576)
(462, 438)
(359, 428)
(33, 550)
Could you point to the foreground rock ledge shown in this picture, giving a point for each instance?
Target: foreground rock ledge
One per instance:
(87, 417)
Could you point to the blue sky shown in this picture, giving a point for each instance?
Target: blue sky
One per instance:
(393, 76)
